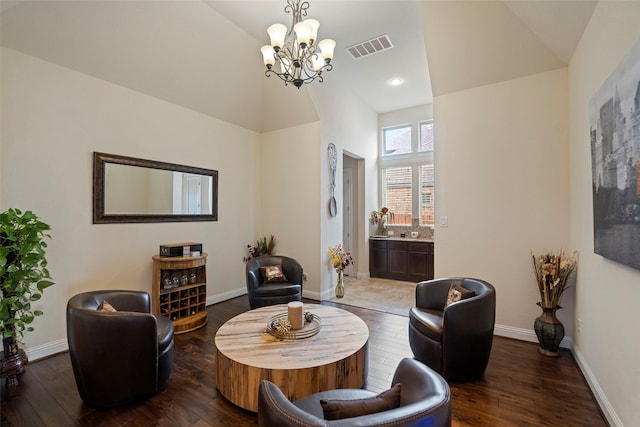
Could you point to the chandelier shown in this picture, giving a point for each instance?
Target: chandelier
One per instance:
(293, 55)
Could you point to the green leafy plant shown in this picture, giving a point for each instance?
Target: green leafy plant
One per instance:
(23, 271)
(263, 246)
(266, 247)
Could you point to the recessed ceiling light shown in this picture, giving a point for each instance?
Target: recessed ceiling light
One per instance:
(396, 81)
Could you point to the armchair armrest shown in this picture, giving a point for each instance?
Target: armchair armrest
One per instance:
(467, 335)
(254, 277)
(475, 315)
(275, 409)
(292, 270)
(432, 294)
(418, 382)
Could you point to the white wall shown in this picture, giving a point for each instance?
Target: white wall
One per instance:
(607, 295)
(502, 178)
(352, 127)
(53, 119)
(407, 116)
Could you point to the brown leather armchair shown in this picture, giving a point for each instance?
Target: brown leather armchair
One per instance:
(425, 400)
(118, 356)
(262, 294)
(454, 341)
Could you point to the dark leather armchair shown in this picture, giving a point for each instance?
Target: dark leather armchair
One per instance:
(118, 356)
(425, 400)
(262, 294)
(455, 341)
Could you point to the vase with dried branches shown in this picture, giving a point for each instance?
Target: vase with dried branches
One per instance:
(552, 271)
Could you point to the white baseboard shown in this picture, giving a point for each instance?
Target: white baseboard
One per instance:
(526, 335)
(214, 299)
(47, 349)
(594, 385)
(316, 296)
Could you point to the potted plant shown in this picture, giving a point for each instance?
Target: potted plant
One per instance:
(23, 276)
(262, 247)
(380, 219)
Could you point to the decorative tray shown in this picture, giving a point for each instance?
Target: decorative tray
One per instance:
(309, 329)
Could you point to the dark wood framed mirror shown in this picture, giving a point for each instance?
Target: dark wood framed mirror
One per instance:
(128, 189)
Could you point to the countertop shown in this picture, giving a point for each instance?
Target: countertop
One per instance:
(401, 239)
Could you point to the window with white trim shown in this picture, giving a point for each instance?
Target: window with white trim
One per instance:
(407, 173)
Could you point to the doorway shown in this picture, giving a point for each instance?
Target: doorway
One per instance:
(350, 212)
(347, 219)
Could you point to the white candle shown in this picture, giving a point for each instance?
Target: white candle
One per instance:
(294, 313)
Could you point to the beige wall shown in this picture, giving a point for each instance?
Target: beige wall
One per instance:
(289, 184)
(53, 119)
(606, 345)
(502, 179)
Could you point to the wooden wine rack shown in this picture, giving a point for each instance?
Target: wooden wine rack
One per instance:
(180, 291)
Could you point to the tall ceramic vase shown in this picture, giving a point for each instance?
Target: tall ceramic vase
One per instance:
(549, 331)
(340, 285)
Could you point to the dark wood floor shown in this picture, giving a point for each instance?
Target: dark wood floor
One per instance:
(520, 386)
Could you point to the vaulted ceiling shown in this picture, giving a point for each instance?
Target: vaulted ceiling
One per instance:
(204, 55)
(475, 43)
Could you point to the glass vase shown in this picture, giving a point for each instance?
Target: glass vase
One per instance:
(340, 285)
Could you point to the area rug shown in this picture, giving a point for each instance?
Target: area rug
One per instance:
(390, 296)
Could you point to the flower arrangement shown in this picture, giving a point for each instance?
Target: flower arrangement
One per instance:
(263, 246)
(552, 271)
(381, 216)
(340, 259)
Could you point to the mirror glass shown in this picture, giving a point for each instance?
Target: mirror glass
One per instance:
(127, 189)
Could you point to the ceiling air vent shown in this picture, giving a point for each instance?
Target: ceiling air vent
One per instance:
(369, 47)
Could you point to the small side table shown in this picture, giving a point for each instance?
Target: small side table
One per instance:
(13, 366)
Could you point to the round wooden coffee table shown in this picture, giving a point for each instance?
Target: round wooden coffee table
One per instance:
(246, 354)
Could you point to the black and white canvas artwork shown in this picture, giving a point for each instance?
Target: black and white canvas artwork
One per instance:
(614, 117)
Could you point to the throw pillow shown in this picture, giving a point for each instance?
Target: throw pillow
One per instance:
(105, 306)
(457, 293)
(273, 273)
(337, 409)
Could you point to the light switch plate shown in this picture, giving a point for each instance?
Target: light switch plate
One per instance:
(444, 221)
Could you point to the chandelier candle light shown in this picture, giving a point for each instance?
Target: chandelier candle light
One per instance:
(293, 52)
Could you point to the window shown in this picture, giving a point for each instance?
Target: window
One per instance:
(407, 173)
(427, 212)
(397, 193)
(396, 140)
(426, 136)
